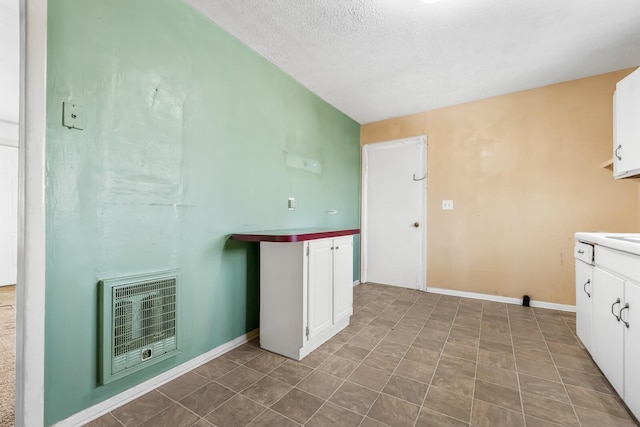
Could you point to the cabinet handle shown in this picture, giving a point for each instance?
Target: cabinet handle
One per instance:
(619, 147)
(584, 288)
(337, 247)
(617, 302)
(580, 251)
(626, 307)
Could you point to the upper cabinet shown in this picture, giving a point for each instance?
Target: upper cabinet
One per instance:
(626, 127)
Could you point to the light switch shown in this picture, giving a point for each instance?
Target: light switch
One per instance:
(292, 204)
(447, 205)
(72, 115)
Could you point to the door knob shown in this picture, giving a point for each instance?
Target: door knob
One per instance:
(416, 224)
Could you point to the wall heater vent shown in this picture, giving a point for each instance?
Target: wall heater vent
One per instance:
(138, 322)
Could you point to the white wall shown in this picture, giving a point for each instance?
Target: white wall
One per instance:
(9, 113)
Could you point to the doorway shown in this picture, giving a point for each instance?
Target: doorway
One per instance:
(394, 212)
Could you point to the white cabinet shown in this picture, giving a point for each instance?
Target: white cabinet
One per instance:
(631, 318)
(584, 289)
(626, 126)
(306, 293)
(614, 319)
(607, 344)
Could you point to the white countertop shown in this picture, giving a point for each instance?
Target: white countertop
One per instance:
(611, 240)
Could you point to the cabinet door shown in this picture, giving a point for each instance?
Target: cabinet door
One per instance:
(626, 135)
(632, 348)
(342, 277)
(320, 295)
(607, 331)
(584, 289)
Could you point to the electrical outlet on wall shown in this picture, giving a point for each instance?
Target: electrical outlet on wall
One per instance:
(447, 205)
(292, 204)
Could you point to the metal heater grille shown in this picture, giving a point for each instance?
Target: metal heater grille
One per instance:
(141, 323)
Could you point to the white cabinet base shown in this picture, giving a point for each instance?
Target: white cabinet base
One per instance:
(285, 301)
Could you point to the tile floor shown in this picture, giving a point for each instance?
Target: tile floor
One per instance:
(408, 358)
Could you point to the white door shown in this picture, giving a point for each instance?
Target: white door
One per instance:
(320, 296)
(394, 202)
(631, 315)
(607, 333)
(584, 289)
(8, 214)
(342, 277)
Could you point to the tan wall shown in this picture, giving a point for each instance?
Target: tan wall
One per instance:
(525, 173)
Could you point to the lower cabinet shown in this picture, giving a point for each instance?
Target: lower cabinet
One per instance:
(306, 293)
(608, 335)
(584, 289)
(631, 318)
(614, 341)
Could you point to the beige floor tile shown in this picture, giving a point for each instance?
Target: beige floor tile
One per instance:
(535, 355)
(290, 372)
(422, 355)
(207, 398)
(106, 420)
(499, 337)
(454, 405)
(499, 376)
(320, 384)
(543, 388)
(585, 380)
(240, 378)
(314, 359)
(298, 405)
(243, 354)
(485, 414)
(338, 366)
(549, 410)
(537, 422)
(142, 409)
(497, 395)
(333, 415)
(593, 418)
(237, 411)
(428, 418)
(453, 382)
(401, 336)
(461, 366)
(369, 377)
(267, 391)
(392, 348)
(270, 418)
(406, 389)
(182, 386)
(202, 423)
(442, 326)
(175, 416)
(460, 351)
(542, 370)
(579, 364)
(364, 341)
(216, 368)
(602, 402)
(415, 370)
(354, 398)
(435, 334)
(265, 362)
(393, 411)
(353, 353)
(428, 344)
(498, 360)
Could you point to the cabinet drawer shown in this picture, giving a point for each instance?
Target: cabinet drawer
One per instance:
(583, 252)
(621, 263)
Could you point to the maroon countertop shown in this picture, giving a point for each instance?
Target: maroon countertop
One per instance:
(293, 235)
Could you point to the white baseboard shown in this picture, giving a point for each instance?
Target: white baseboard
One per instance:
(98, 410)
(356, 283)
(507, 300)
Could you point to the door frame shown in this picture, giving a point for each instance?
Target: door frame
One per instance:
(422, 140)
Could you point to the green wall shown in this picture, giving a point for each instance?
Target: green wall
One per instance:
(186, 139)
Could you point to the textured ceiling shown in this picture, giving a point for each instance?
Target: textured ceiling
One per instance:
(376, 59)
